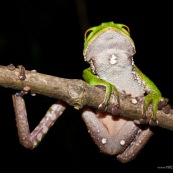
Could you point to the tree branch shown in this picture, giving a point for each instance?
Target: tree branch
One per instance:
(76, 93)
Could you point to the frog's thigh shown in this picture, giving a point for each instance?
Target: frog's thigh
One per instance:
(111, 134)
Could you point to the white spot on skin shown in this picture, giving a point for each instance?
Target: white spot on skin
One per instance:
(113, 59)
(122, 142)
(55, 107)
(35, 143)
(51, 115)
(48, 114)
(104, 140)
(23, 138)
(39, 136)
(139, 131)
(21, 77)
(134, 101)
(100, 105)
(133, 62)
(44, 129)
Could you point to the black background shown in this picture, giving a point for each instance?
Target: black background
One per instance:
(47, 36)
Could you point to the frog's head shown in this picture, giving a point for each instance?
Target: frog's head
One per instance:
(108, 39)
(93, 32)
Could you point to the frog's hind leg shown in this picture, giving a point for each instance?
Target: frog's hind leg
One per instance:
(109, 132)
(31, 140)
(135, 147)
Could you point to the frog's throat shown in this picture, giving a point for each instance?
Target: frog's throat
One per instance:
(111, 39)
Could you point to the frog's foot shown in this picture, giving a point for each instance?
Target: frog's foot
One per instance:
(116, 110)
(153, 122)
(31, 139)
(166, 109)
(144, 120)
(154, 100)
(164, 106)
(163, 103)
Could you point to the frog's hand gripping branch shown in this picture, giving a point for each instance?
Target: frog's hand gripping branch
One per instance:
(31, 140)
(153, 97)
(92, 79)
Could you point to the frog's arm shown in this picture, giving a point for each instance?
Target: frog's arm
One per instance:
(92, 79)
(153, 96)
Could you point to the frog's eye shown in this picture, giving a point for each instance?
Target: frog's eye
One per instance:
(126, 28)
(87, 33)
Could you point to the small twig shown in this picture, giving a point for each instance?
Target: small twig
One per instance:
(76, 93)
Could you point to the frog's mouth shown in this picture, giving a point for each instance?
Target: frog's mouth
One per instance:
(109, 43)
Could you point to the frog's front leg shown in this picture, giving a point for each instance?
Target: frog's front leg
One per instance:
(92, 79)
(114, 135)
(153, 97)
(31, 140)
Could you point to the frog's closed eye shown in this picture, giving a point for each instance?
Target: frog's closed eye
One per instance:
(87, 33)
(125, 28)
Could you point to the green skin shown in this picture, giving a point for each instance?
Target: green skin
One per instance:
(154, 96)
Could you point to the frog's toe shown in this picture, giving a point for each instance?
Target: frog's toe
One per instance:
(116, 110)
(166, 109)
(147, 101)
(154, 101)
(153, 122)
(102, 107)
(163, 103)
(144, 120)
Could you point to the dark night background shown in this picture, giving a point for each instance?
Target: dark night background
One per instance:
(47, 36)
